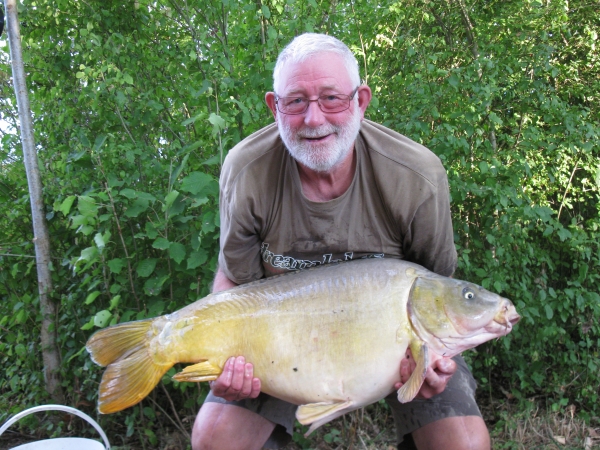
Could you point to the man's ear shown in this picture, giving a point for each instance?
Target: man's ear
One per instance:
(270, 101)
(364, 98)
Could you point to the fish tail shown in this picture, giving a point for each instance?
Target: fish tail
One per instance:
(131, 372)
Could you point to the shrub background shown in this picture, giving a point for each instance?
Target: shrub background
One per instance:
(135, 104)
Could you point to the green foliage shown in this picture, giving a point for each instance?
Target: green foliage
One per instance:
(135, 105)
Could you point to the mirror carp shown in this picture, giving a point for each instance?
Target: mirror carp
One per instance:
(329, 339)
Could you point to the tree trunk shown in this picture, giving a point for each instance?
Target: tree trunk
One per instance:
(41, 240)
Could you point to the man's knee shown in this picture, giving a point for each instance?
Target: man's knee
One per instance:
(453, 433)
(228, 427)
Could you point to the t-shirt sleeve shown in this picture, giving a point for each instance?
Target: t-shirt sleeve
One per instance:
(429, 239)
(239, 255)
(415, 190)
(241, 207)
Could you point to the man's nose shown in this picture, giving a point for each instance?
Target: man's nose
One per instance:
(313, 115)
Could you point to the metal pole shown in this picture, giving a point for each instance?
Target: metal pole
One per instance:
(41, 240)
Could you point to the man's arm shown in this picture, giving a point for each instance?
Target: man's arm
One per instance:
(221, 282)
(237, 380)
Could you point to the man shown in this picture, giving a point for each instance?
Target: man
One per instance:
(323, 185)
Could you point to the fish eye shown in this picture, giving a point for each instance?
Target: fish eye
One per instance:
(468, 294)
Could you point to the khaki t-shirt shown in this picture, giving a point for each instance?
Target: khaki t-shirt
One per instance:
(397, 206)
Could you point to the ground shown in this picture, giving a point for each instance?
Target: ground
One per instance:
(372, 429)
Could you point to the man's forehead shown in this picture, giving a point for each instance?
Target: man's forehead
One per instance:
(323, 71)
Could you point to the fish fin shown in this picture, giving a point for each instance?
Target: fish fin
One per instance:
(131, 373)
(204, 371)
(411, 388)
(318, 414)
(128, 381)
(110, 344)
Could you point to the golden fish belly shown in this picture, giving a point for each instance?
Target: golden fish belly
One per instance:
(339, 336)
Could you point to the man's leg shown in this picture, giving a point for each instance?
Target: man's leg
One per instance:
(453, 433)
(450, 420)
(227, 427)
(254, 423)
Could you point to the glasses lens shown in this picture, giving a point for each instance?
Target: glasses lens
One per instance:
(328, 103)
(292, 105)
(334, 103)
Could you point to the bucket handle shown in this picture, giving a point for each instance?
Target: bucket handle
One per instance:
(68, 409)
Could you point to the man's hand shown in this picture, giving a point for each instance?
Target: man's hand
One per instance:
(237, 381)
(436, 379)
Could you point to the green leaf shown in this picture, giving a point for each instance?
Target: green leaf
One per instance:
(146, 196)
(161, 243)
(217, 122)
(65, 206)
(137, 207)
(266, 12)
(156, 308)
(115, 265)
(196, 182)
(91, 297)
(146, 267)
(196, 259)
(213, 161)
(193, 119)
(549, 312)
(89, 325)
(151, 231)
(178, 169)
(99, 141)
(87, 206)
(154, 285)
(21, 316)
(453, 80)
(99, 240)
(89, 254)
(177, 252)
(114, 181)
(170, 198)
(129, 193)
(114, 302)
(208, 222)
(20, 350)
(564, 234)
(102, 318)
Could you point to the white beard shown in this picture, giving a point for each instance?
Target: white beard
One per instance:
(316, 156)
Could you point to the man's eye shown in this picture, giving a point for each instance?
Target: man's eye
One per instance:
(295, 101)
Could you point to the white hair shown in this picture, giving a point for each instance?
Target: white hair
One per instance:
(310, 44)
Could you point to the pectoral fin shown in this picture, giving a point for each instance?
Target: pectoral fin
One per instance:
(411, 388)
(204, 371)
(319, 413)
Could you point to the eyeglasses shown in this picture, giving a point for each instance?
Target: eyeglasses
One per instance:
(332, 103)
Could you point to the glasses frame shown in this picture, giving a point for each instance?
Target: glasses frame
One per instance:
(309, 101)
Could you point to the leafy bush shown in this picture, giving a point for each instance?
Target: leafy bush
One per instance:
(135, 107)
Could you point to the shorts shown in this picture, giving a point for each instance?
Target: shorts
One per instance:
(458, 399)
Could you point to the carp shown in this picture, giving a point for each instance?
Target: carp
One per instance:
(329, 339)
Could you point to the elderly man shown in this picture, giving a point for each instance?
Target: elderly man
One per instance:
(324, 185)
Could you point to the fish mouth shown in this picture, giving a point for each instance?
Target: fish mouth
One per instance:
(508, 317)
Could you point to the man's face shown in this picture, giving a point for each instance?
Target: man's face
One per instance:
(316, 139)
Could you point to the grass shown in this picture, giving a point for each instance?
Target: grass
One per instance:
(528, 428)
(512, 427)
(534, 429)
